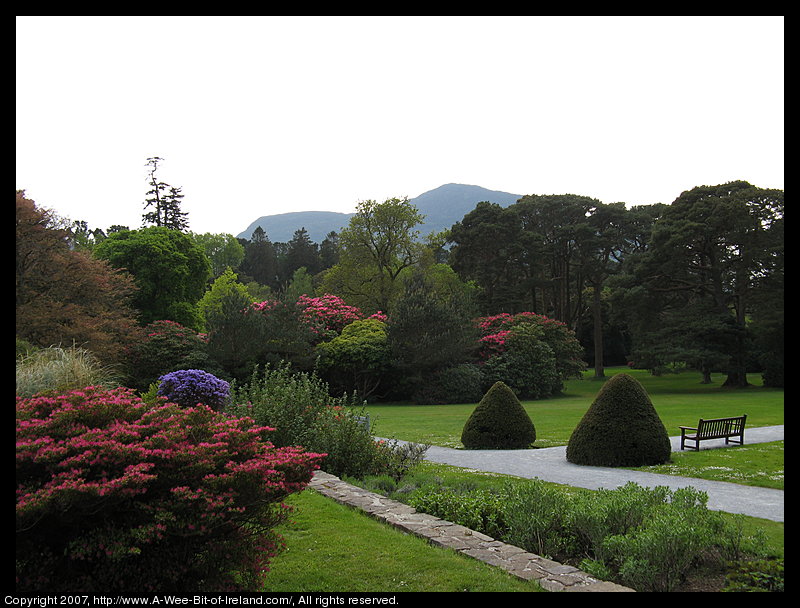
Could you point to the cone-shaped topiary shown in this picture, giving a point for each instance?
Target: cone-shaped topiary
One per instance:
(620, 429)
(498, 422)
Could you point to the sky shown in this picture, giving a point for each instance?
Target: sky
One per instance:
(260, 115)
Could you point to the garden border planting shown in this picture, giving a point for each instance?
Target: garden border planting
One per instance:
(550, 575)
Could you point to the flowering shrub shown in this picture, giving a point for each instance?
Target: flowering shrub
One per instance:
(189, 387)
(329, 314)
(530, 352)
(115, 495)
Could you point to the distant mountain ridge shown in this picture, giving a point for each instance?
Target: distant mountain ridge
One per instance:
(442, 207)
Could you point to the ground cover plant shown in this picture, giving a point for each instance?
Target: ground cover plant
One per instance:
(583, 527)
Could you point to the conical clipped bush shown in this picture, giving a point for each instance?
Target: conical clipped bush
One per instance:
(498, 422)
(620, 429)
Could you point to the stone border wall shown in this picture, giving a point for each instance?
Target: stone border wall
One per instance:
(550, 575)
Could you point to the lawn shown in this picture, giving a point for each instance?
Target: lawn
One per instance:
(679, 399)
(334, 548)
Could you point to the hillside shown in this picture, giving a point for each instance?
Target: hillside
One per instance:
(442, 207)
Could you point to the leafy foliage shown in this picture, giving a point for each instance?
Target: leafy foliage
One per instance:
(114, 495)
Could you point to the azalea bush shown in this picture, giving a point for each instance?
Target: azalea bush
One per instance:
(115, 495)
(328, 314)
(192, 386)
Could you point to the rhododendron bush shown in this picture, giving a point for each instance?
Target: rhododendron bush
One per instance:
(114, 494)
(531, 353)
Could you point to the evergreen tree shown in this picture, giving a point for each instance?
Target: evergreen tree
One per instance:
(165, 201)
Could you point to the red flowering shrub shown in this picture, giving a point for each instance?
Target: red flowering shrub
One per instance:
(116, 495)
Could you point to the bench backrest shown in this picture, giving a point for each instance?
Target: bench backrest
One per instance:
(721, 426)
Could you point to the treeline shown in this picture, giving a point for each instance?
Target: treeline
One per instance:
(694, 284)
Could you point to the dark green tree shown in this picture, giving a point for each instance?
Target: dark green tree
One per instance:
(713, 249)
(163, 200)
(260, 262)
(427, 330)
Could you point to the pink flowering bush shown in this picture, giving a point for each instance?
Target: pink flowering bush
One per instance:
(115, 495)
(531, 353)
(328, 314)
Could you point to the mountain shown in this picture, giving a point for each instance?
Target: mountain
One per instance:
(442, 207)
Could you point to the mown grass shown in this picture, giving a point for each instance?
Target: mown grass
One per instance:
(759, 464)
(679, 399)
(333, 548)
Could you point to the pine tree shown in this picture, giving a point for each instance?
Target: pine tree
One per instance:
(165, 201)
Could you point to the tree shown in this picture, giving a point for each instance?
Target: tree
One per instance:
(223, 251)
(64, 296)
(429, 331)
(486, 248)
(376, 247)
(358, 357)
(712, 250)
(168, 267)
(165, 201)
(498, 422)
(302, 253)
(260, 262)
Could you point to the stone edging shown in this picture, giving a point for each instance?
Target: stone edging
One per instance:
(550, 575)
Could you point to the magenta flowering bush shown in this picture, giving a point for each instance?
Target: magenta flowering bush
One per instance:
(115, 495)
(188, 387)
(531, 353)
(328, 314)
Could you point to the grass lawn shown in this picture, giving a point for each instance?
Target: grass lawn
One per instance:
(679, 399)
(333, 548)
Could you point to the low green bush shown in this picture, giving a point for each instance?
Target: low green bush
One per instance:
(646, 538)
(301, 410)
(758, 575)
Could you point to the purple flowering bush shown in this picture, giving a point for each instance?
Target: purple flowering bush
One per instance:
(117, 495)
(188, 387)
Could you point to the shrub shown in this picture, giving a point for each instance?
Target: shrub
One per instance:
(298, 405)
(498, 422)
(115, 495)
(620, 429)
(61, 369)
(192, 386)
(528, 365)
(759, 575)
(167, 346)
(463, 383)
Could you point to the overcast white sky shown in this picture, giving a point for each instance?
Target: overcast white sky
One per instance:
(262, 115)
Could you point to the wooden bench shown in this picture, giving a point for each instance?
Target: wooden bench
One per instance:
(714, 428)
